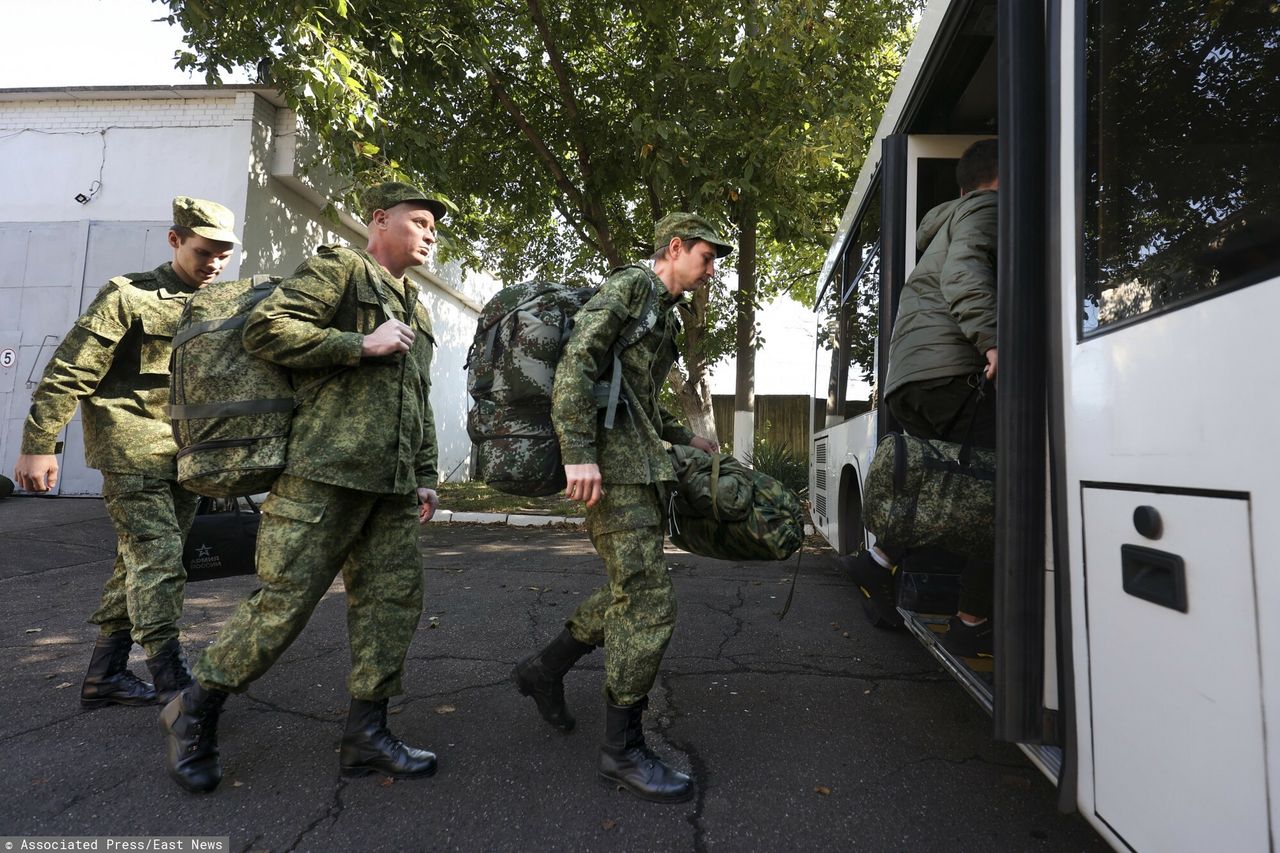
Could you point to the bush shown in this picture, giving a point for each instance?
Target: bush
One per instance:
(782, 463)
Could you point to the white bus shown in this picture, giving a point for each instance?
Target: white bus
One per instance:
(1137, 613)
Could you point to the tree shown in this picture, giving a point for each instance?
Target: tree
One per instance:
(564, 130)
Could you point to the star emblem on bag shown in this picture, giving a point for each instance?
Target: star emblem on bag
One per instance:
(203, 551)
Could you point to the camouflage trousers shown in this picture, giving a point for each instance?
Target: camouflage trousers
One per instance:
(144, 594)
(311, 531)
(633, 614)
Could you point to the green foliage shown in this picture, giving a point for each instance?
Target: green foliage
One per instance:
(780, 462)
(564, 129)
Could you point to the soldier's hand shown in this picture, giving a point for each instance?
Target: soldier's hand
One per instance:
(990, 369)
(428, 500)
(389, 338)
(584, 483)
(704, 444)
(36, 472)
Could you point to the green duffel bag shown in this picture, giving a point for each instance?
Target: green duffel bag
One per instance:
(920, 492)
(715, 486)
(771, 528)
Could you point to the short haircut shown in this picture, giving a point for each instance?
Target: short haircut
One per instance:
(661, 252)
(979, 164)
(182, 231)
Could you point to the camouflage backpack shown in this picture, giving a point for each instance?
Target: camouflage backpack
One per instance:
(920, 492)
(511, 367)
(721, 508)
(230, 410)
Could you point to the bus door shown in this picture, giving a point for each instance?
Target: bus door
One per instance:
(920, 174)
(1170, 363)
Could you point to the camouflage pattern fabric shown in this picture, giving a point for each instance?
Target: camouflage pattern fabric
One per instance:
(205, 218)
(718, 487)
(311, 531)
(633, 451)
(511, 366)
(772, 530)
(220, 454)
(144, 594)
(918, 493)
(370, 428)
(114, 363)
(634, 613)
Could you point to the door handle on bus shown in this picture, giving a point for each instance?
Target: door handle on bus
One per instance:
(1155, 576)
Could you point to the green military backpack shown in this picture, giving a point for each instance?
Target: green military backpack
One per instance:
(230, 410)
(721, 508)
(511, 367)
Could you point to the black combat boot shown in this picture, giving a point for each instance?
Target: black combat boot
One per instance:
(169, 671)
(541, 677)
(627, 762)
(109, 681)
(369, 747)
(190, 724)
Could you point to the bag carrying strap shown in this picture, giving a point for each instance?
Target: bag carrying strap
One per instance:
(209, 506)
(261, 288)
(376, 276)
(794, 577)
(631, 334)
(715, 483)
(976, 394)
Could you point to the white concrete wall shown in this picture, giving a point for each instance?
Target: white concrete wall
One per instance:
(144, 147)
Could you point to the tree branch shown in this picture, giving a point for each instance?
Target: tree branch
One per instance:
(594, 210)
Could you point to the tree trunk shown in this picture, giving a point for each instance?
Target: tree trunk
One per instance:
(695, 404)
(692, 390)
(744, 401)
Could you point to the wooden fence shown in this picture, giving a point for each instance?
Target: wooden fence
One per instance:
(780, 418)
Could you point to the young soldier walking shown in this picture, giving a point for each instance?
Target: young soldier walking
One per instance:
(359, 480)
(114, 364)
(620, 474)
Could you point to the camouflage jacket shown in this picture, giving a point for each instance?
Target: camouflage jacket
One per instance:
(631, 452)
(370, 427)
(114, 363)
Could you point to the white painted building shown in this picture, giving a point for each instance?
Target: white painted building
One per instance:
(86, 180)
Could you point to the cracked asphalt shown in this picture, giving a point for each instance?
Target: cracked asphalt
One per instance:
(817, 732)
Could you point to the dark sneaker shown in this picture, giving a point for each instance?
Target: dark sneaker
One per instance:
(876, 584)
(968, 641)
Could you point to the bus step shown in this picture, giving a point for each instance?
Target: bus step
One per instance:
(974, 674)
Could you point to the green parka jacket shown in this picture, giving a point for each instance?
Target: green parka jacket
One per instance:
(947, 313)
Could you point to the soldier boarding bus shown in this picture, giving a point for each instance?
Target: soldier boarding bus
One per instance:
(1136, 613)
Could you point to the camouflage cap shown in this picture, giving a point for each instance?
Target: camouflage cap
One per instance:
(205, 219)
(388, 194)
(685, 225)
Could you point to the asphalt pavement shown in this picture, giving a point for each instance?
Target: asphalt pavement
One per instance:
(816, 732)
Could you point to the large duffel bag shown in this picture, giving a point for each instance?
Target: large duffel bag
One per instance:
(770, 523)
(230, 411)
(922, 492)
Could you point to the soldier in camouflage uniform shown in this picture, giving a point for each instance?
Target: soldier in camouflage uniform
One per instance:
(114, 363)
(620, 474)
(359, 480)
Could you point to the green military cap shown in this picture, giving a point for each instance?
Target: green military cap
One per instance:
(689, 225)
(388, 194)
(205, 218)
